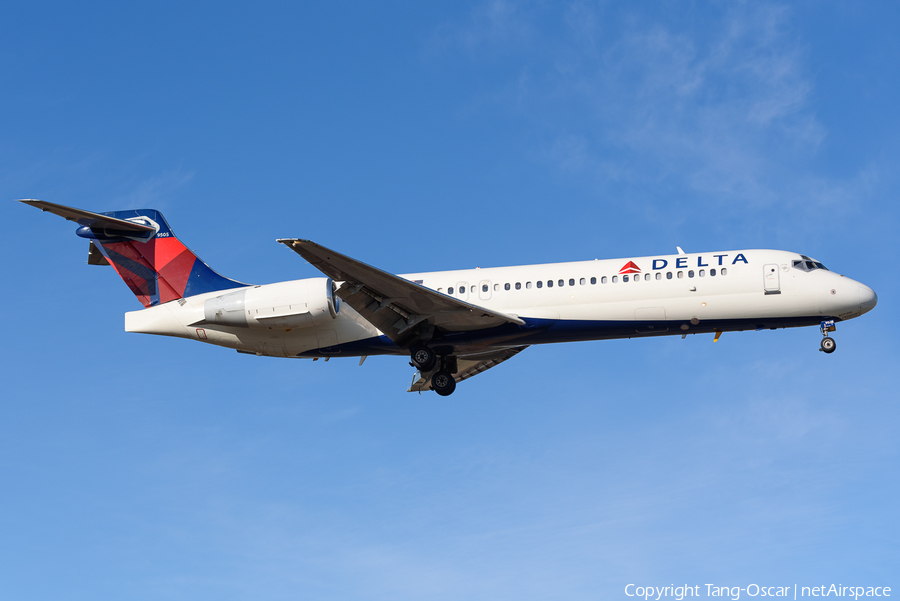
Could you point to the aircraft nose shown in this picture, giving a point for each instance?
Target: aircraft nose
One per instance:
(867, 298)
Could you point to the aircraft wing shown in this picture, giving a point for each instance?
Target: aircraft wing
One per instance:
(392, 304)
(94, 220)
(471, 365)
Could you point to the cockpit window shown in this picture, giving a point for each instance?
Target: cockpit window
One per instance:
(808, 264)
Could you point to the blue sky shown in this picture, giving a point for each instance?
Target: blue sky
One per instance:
(422, 137)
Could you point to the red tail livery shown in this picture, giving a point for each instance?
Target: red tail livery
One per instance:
(145, 253)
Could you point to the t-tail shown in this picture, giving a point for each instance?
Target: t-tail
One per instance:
(144, 251)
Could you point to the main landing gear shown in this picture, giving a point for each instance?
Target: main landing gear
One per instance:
(442, 381)
(423, 358)
(828, 344)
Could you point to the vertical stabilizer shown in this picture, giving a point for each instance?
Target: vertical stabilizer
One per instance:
(145, 253)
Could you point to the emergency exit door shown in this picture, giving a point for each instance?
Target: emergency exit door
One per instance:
(484, 290)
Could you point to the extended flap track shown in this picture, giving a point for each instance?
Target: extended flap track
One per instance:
(407, 320)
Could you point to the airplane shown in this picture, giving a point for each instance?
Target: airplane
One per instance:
(457, 324)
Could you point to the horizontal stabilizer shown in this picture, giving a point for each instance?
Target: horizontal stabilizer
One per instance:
(89, 219)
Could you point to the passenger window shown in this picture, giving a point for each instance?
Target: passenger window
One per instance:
(472, 288)
(440, 289)
(484, 287)
(496, 287)
(528, 285)
(668, 275)
(506, 286)
(723, 271)
(581, 281)
(712, 272)
(646, 277)
(680, 275)
(702, 273)
(616, 279)
(561, 283)
(549, 283)
(540, 284)
(658, 275)
(450, 290)
(571, 281)
(594, 281)
(518, 285)
(624, 278)
(691, 273)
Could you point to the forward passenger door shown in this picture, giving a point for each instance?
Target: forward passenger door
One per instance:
(771, 279)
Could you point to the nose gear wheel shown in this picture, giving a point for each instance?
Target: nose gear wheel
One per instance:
(828, 344)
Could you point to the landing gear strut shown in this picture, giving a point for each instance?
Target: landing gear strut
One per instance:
(828, 344)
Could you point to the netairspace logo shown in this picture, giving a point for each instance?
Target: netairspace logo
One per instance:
(754, 590)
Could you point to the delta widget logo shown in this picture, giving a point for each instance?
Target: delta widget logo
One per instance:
(630, 267)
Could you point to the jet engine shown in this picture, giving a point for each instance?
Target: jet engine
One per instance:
(297, 304)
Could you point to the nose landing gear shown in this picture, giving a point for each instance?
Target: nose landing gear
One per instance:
(828, 345)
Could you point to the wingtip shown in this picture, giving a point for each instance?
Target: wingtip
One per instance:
(33, 202)
(293, 241)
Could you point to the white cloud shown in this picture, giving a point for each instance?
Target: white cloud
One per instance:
(718, 105)
(91, 180)
(496, 25)
(709, 111)
(154, 191)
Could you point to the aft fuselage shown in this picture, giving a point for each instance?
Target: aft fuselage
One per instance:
(560, 302)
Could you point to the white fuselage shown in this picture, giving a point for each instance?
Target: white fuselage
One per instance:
(588, 300)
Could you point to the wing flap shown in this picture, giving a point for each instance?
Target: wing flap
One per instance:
(392, 304)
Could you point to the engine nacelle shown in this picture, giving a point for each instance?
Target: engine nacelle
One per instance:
(297, 304)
